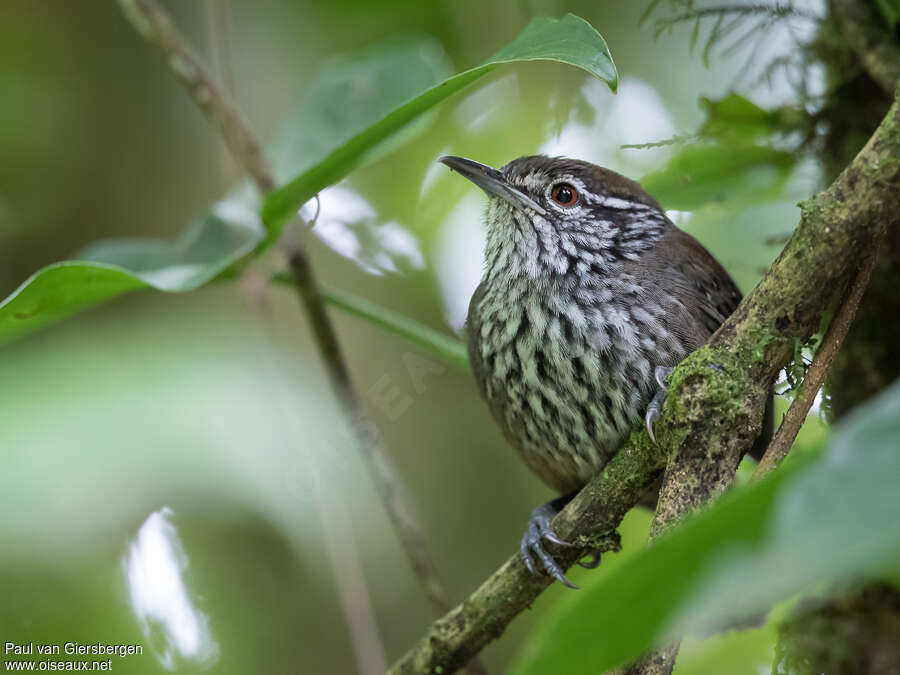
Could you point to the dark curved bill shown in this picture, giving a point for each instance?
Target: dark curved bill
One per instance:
(492, 182)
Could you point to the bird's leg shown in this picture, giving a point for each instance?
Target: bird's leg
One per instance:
(539, 529)
(661, 373)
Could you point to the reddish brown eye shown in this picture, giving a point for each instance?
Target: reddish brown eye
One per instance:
(564, 194)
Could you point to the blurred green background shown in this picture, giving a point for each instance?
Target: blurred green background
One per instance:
(213, 403)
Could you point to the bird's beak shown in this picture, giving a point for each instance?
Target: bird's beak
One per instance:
(492, 182)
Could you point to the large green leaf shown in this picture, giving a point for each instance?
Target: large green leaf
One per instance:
(812, 523)
(339, 101)
(569, 40)
(114, 267)
(701, 174)
(349, 92)
(351, 109)
(732, 158)
(736, 118)
(448, 349)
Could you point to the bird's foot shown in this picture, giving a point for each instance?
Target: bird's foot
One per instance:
(661, 373)
(538, 530)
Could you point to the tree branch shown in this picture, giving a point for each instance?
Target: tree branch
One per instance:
(699, 473)
(680, 494)
(716, 396)
(155, 25)
(815, 375)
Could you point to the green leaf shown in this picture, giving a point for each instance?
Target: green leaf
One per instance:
(443, 346)
(735, 117)
(349, 92)
(700, 174)
(569, 40)
(339, 102)
(833, 517)
(110, 268)
(739, 121)
(353, 107)
(733, 159)
(448, 349)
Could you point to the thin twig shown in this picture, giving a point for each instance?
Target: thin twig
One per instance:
(217, 21)
(154, 24)
(157, 27)
(815, 375)
(378, 465)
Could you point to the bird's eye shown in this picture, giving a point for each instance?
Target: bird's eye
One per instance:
(564, 194)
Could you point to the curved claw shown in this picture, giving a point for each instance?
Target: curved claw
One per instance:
(532, 541)
(661, 375)
(654, 410)
(651, 417)
(525, 552)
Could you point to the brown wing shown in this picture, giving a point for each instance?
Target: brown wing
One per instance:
(683, 268)
(689, 284)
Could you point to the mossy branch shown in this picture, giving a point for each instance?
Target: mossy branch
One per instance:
(716, 397)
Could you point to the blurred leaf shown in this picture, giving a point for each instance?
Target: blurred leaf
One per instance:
(568, 40)
(733, 161)
(445, 347)
(738, 120)
(339, 102)
(352, 107)
(113, 267)
(735, 117)
(811, 523)
(736, 652)
(699, 174)
(348, 93)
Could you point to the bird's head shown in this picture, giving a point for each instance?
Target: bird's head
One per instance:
(555, 216)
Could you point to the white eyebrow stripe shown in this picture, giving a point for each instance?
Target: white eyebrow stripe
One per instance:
(617, 203)
(538, 179)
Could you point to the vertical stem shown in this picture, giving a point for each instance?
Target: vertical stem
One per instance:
(815, 375)
(377, 463)
(217, 20)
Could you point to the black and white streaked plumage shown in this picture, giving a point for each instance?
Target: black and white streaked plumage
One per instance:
(589, 296)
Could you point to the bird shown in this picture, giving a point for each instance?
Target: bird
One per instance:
(590, 295)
